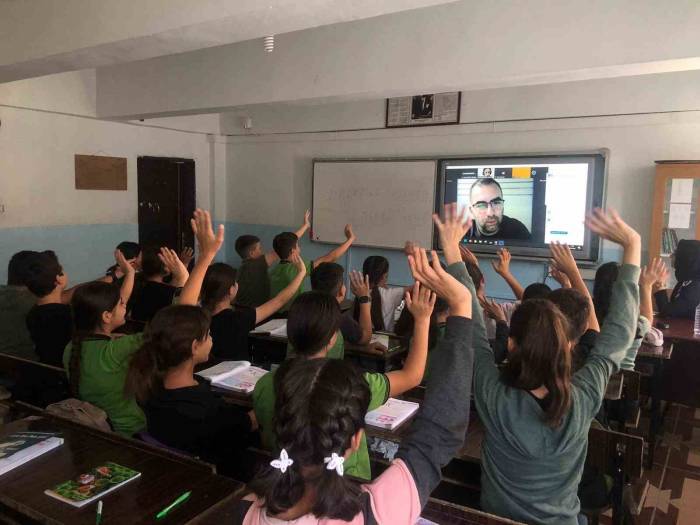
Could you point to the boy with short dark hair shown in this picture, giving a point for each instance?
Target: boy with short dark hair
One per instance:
(253, 281)
(15, 302)
(286, 244)
(49, 322)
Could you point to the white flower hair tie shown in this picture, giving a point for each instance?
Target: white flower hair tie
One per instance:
(282, 462)
(335, 462)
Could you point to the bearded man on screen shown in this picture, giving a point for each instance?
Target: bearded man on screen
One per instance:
(486, 207)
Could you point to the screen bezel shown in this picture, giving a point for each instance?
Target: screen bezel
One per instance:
(590, 250)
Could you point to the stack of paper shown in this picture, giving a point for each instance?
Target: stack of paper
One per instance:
(391, 414)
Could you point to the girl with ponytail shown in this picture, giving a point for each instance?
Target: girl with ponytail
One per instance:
(536, 413)
(319, 419)
(96, 362)
(384, 299)
(181, 411)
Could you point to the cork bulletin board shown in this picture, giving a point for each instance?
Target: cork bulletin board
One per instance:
(94, 172)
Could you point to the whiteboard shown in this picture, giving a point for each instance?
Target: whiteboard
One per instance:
(387, 202)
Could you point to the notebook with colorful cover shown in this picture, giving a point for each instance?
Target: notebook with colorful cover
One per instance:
(21, 447)
(92, 485)
(238, 376)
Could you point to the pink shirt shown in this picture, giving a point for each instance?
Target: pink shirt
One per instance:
(393, 500)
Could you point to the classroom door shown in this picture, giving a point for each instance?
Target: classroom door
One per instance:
(166, 197)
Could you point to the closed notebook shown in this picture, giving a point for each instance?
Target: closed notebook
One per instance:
(21, 447)
(391, 414)
(274, 327)
(238, 376)
(384, 340)
(92, 485)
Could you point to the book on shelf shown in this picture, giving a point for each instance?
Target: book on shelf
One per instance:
(238, 376)
(92, 485)
(21, 447)
(391, 414)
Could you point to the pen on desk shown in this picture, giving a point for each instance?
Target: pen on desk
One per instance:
(98, 518)
(174, 504)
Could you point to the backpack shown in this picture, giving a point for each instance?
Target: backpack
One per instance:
(81, 412)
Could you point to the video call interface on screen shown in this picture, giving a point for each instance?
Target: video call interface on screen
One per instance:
(520, 204)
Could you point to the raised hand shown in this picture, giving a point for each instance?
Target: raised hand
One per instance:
(559, 276)
(207, 242)
(443, 284)
(502, 264)
(298, 263)
(467, 255)
(452, 230)
(123, 265)
(609, 226)
(655, 275)
(420, 301)
(563, 259)
(349, 234)
(174, 265)
(307, 219)
(186, 256)
(408, 247)
(492, 309)
(359, 284)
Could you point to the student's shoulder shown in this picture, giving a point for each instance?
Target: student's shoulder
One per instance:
(394, 495)
(264, 387)
(378, 384)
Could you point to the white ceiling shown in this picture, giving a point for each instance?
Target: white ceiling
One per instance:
(41, 37)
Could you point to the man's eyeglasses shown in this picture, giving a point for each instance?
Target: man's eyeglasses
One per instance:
(496, 204)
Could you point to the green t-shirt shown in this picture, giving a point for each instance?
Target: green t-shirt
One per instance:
(283, 273)
(337, 351)
(15, 303)
(103, 366)
(264, 405)
(253, 283)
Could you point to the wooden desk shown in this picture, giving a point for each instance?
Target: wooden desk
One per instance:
(678, 330)
(164, 476)
(32, 381)
(664, 352)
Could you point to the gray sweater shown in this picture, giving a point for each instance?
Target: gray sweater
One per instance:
(531, 471)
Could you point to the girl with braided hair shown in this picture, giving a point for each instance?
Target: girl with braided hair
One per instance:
(319, 422)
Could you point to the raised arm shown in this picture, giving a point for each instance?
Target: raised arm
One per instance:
(360, 288)
(563, 261)
(175, 265)
(129, 275)
(265, 310)
(439, 428)
(652, 276)
(338, 252)
(618, 331)
(420, 302)
(495, 311)
(208, 245)
(502, 268)
(304, 227)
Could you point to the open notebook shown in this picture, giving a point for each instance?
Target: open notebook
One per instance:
(238, 376)
(274, 327)
(391, 414)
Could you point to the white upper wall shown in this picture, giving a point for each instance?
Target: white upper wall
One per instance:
(466, 45)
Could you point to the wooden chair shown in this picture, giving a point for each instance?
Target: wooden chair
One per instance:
(619, 456)
(33, 382)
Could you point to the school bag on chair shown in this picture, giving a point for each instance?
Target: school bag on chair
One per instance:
(80, 412)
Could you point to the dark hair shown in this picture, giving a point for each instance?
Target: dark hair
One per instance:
(542, 357)
(475, 273)
(41, 272)
(167, 343)
(605, 276)
(327, 277)
(313, 319)
(17, 268)
(686, 260)
(376, 267)
(88, 304)
(129, 249)
(284, 243)
(244, 244)
(219, 279)
(536, 291)
(575, 307)
(404, 325)
(320, 404)
(486, 181)
(151, 265)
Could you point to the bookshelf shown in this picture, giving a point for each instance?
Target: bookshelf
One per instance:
(676, 206)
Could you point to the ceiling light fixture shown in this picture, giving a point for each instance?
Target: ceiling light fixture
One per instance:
(269, 43)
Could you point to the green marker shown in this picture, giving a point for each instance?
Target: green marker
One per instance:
(98, 518)
(174, 504)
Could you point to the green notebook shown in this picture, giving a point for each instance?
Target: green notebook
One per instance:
(92, 485)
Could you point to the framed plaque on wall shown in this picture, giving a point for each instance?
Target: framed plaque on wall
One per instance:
(423, 110)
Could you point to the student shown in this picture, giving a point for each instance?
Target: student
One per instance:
(15, 302)
(253, 281)
(536, 414)
(96, 361)
(181, 411)
(328, 278)
(312, 329)
(229, 326)
(384, 299)
(685, 296)
(153, 293)
(49, 321)
(319, 423)
(285, 245)
(132, 254)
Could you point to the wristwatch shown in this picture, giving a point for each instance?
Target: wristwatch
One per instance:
(364, 299)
